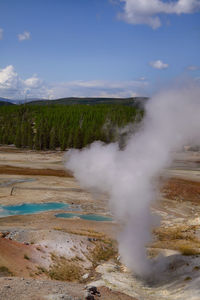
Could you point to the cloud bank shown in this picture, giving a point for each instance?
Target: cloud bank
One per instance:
(99, 88)
(148, 11)
(14, 87)
(131, 176)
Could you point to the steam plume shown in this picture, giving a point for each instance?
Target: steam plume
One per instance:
(130, 176)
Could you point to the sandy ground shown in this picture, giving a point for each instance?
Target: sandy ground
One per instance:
(28, 243)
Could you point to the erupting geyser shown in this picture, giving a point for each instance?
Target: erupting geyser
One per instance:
(129, 176)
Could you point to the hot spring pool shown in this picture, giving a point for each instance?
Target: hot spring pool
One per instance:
(31, 208)
(84, 217)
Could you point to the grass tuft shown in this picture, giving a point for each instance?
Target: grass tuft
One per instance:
(187, 249)
(26, 257)
(4, 271)
(103, 252)
(181, 238)
(65, 270)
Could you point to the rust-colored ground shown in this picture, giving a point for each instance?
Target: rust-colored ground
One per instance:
(182, 190)
(10, 170)
(17, 257)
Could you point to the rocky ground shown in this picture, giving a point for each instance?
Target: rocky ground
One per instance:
(13, 288)
(38, 251)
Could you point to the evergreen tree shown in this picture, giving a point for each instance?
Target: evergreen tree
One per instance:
(52, 143)
(17, 141)
(48, 127)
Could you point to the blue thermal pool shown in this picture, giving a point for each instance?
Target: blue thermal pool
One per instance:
(89, 217)
(32, 208)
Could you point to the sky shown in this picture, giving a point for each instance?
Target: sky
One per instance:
(96, 48)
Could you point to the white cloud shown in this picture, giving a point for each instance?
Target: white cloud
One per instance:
(192, 68)
(14, 87)
(33, 82)
(1, 33)
(24, 36)
(158, 64)
(147, 11)
(8, 78)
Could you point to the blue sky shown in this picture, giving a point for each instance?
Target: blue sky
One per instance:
(122, 48)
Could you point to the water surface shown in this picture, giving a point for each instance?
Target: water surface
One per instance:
(31, 208)
(89, 217)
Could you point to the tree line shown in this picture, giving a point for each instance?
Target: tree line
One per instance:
(70, 126)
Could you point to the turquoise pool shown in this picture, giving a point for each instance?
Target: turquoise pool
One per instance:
(31, 208)
(89, 217)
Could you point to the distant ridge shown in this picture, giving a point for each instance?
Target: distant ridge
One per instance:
(5, 101)
(136, 101)
(18, 101)
(133, 101)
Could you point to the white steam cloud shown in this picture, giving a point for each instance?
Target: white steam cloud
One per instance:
(130, 176)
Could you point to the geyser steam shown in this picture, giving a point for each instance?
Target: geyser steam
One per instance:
(130, 177)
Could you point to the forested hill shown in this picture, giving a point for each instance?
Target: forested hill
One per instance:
(136, 101)
(5, 103)
(48, 127)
